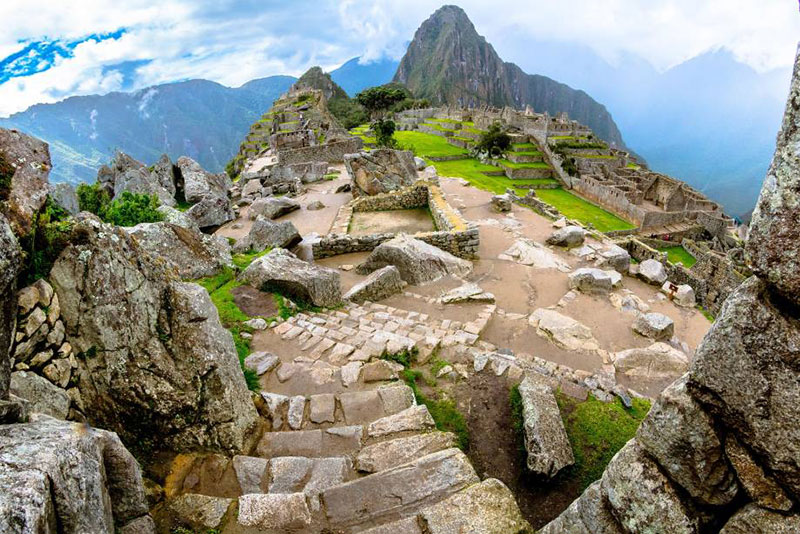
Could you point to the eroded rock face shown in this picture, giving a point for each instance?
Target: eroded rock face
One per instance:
(190, 253)
(153, 358)
(283, 271)
(29, 159)
(380, 171)
(754, 520)
(65, 196)
(211, 212)
(417, 261)
(774, 239)
(68, 477)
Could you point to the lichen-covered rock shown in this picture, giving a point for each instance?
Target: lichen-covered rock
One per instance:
(64, 195)
(681, 437)
(588, 514)
(153, 358)
(68, 477)
(644, 500)
(379, 285)
(745, 373)
(10, 264)
(190, 253)
(659, 360)
(546, 442)
(267, 234)
(380, 171)
(501, 203)
(562, 330)
(754, 520)
(198, 183)
(41, 394)
(652, 272)
(590, 280)
(774, 239)
(200, 511)
(29, 160)
(655, 326)
(569, 236)
(280, 270)
(283, 512)
(763, 490)
(211, 212)
(417, 261)
(177, 217)
(272, 207)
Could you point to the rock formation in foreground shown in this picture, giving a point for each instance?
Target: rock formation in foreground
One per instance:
(720, 449)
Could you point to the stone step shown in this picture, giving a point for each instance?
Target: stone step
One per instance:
(413, 419)
(388, 454)
(317, 443)
(399, 492)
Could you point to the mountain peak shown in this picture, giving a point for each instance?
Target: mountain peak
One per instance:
(315, 78)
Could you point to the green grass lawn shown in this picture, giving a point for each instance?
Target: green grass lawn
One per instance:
(632, 166)
(444, 121)
(527, 153)
(529, 165)
(427, 145)
(582, 210)
(472, 170)
(523, 146)
(593, 156)
(679, 254)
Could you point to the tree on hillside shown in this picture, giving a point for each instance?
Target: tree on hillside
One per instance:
(384, 132)
(494, 142)
(377, 100)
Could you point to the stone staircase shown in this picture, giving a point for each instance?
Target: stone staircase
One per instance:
(352, 452)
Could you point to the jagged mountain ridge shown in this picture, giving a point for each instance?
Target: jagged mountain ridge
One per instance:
(449, 62)
(198, 118)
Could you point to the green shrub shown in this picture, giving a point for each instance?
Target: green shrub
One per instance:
(131, 209)
(404, 358)
(495, 142)
(6, 174)
(377, 100)
(384, 132)
(348, 112)
(92, 198)
(49, 235)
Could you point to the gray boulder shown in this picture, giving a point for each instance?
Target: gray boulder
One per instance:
(124, 173)
(419, 163)
(10, 264)
(681, 437)
(417, 261)
(252, 188)
(41, 394)
(379, 285)
(178, 218)
(211, 212)
(546, 439)
(744, 373)
(468, 292)
(614, 257)
(569, 236)
(29, 158)
(163, 173)
(652, 272)
(380, 171)
(590, 513)
(282, 271)
(501, 203)
(68, 477)
(267, 234)
(774, 239)
(315, 206)
(655, 326)
(148, 347)
(590, 280)
(272, 207)
(763, 490)
(659, 360)
(199, 184)
(190, 253)
(754, 520)
(64, 195)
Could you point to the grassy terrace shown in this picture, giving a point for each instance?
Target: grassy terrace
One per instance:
(593, 156)
(523, 147)
(428, 145)
(574, 207)
(532, 165)
(679, 254)
(527, 153)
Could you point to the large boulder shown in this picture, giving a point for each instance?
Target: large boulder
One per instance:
(774, 239)
(615, 257)
(153, 358)
(655, 326)
(64, 195)
(198, 183)
(190, 253)
(282, 271)
(211, 212)
(562, 330)
(754, 520)
(652, 272)
(745, 373)
(546, 439)
(163, 173)
(417, 261)
(24, 168)
(42, 395)
(265, 234)
(124, 173)
(569, 236)
(681, 437)
(380, 171)
(379, 285)
(272, 207)
(68, 477)
(590, 280)
(10, 265)
(659, 360)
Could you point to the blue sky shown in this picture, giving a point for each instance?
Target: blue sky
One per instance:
(50, 50)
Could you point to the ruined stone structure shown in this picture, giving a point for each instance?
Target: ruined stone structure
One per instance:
(719, 450)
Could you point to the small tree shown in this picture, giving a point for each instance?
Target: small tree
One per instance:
(377, 100)
(384, 132)
(494, 142)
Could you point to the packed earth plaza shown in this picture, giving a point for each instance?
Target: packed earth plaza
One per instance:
(345, 334)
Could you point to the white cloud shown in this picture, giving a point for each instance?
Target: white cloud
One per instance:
(232, 42)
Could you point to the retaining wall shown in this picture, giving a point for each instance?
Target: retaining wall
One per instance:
(330, 152)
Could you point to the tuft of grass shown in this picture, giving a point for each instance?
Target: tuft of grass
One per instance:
(437, 364)
(597, 431)
(444, 412)
(404, 358)
(575, 207)
(244, 259)
(706, 314)
(517, 419)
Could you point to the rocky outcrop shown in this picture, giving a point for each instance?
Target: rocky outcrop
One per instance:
(126, 174)
(198, 183)
(10, 264)
(417, 261)
(379, 285)
(282, 271)
(546, 439)
(68, 477)
(730, 424)
(64, 195)
(24, 168)
(380, 171)
(190, 253)
(42, 395)
(211, 212)
(267, 234)
(154, 363)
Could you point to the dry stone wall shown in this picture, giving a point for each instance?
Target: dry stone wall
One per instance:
(330, 152)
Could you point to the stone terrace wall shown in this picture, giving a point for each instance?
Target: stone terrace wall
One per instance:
(401, 199)
(330, 152)
(611, 199)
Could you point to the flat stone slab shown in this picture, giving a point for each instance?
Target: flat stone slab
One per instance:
(399, 491)
(200, 510)
(337, 441)
(416, 418)
(274, 511)
(546, 440)
(250, 472)
(322, 408)
(590, 280)
(389, 454)
(361, 406)
(408, 525)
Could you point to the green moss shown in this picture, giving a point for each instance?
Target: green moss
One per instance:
(706, 314)
(517, 418)
(679, 254)
(437, 364)
(444, 412)
(244, 259)
(404, 358)
(597, 430)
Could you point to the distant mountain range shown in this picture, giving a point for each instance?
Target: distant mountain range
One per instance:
(710, 121)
